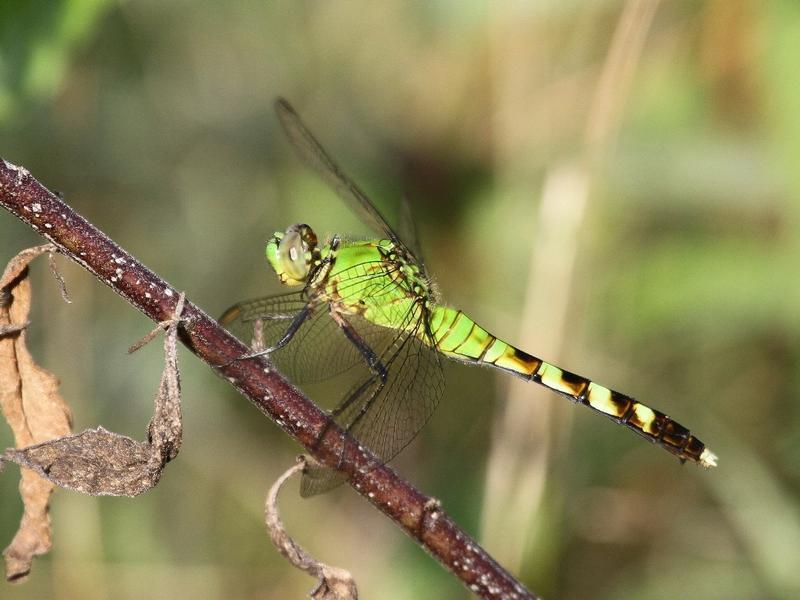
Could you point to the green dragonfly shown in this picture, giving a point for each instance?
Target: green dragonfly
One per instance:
(369, 309)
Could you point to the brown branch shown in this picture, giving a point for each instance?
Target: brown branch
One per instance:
(417, 515)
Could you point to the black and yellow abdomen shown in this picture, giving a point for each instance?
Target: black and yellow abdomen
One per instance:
(459, 337)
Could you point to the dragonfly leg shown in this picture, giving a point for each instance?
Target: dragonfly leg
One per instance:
(372, 360)
(379, 373)
(355, 395)
(296, 323)
(257, 339)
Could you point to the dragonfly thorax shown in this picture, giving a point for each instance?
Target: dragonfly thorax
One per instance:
(292, 254)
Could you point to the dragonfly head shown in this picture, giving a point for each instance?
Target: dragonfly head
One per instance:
(293, 253)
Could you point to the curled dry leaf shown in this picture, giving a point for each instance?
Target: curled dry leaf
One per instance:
(334, 583)
(103, 463)
(95, 461)
(33, 408)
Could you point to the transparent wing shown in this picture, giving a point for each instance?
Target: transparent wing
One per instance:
(386, 417)
(407, 228)
(318, 351)
(311, 152)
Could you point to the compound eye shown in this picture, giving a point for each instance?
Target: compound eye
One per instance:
(293, 251)
(296, 252)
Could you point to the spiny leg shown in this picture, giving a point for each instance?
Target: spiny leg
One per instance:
(361, 400)
(257, 342)
(372, 360)
(294, 326)
(319, 479)
(385, 415)
(376, 367)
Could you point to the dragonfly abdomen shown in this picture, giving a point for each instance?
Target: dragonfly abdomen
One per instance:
(459, 337)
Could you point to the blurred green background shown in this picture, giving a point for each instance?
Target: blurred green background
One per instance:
(611, 185)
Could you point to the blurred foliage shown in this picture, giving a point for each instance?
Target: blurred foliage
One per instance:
(154, 120)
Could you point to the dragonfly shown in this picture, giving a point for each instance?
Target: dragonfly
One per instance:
(368, 308)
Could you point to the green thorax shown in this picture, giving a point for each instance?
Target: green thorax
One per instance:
(374, 279)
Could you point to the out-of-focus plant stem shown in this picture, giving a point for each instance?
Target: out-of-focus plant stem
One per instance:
(516, 477)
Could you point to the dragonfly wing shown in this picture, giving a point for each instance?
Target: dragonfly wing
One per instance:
(317, 352)
(386, 417)
(407, 227)
(311, 152)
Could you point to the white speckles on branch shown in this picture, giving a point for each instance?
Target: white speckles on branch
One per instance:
(118, 274)
(147, 295)
(168, 292)
(48, 225)
(36, 207)
(20, 171)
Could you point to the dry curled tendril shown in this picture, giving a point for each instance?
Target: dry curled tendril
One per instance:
(334, 583)
(96, 461)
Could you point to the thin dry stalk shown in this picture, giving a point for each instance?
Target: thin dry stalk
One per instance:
(516, 471)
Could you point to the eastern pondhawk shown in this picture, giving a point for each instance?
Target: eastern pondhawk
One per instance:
(370, 308)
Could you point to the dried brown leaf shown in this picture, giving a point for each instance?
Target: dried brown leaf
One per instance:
(103, 463)
(21, 261)
(95, 461)
(31, 404)
(334, 583)
(166, 429)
